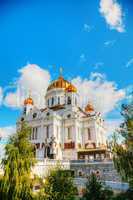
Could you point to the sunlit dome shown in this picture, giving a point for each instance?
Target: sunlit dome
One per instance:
(28, 101)
(89, 108)
(62, 83)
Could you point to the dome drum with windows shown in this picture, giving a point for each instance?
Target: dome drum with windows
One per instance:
(61, 92)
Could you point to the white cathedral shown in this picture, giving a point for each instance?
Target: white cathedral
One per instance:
(63, 130)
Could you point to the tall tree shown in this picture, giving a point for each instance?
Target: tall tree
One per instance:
(58, 186)
(19, 158)
(96, 190)
(123, 152)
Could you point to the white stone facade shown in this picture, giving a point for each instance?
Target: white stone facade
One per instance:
(63, 130)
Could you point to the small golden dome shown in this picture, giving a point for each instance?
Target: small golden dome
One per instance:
(62, 83)
(89, 108)
(28, 101)
(71, 88)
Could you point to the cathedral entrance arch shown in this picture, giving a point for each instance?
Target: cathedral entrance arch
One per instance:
(47, 152)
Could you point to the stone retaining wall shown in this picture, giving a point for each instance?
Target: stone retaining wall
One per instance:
(105, 170)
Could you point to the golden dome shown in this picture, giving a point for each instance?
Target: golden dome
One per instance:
(89, 108)
(28, 101)
(62, 83)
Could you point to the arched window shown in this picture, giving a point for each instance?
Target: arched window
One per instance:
(89, 134)
(58, 100)
(69, 100)
(52, 101)
(69, 135)
(47, 132)
(75, 101)
(24, 112)
(48, 102)
(47, 152)
(34, 115)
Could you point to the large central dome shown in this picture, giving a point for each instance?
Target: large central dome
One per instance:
(62, 83)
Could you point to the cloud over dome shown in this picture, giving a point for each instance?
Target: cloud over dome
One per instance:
(34, 80)
(97, 89)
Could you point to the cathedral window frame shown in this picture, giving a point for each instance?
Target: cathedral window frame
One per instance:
(88, 134)
(52, 101)
(69, 100)
(69, 133)
(34, 115)
(58, 100)
(34, 135)
(47, 132)
(75, 100)
(48, 102)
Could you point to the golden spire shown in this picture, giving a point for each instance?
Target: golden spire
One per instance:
(61, 71)
(29, 93)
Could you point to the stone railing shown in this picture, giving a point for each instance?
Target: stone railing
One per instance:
(116, 186)
(42, 167)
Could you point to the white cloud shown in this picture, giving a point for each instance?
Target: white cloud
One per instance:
(87, 28)
(109, 43)
(5, 132)
(102, 93)
(113, 14)
(129, 63)
(32, 79)
(13, 100)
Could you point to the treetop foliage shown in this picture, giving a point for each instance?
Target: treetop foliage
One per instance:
(123, 153)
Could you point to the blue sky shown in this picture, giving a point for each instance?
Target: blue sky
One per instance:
(68, 33)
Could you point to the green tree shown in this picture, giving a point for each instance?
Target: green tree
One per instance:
(58, 185)
(128, 195)
(16, 183)
(123, 152)
(95, 190)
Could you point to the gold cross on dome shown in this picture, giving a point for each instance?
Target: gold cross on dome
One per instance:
(29, 93)
(61, 71)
